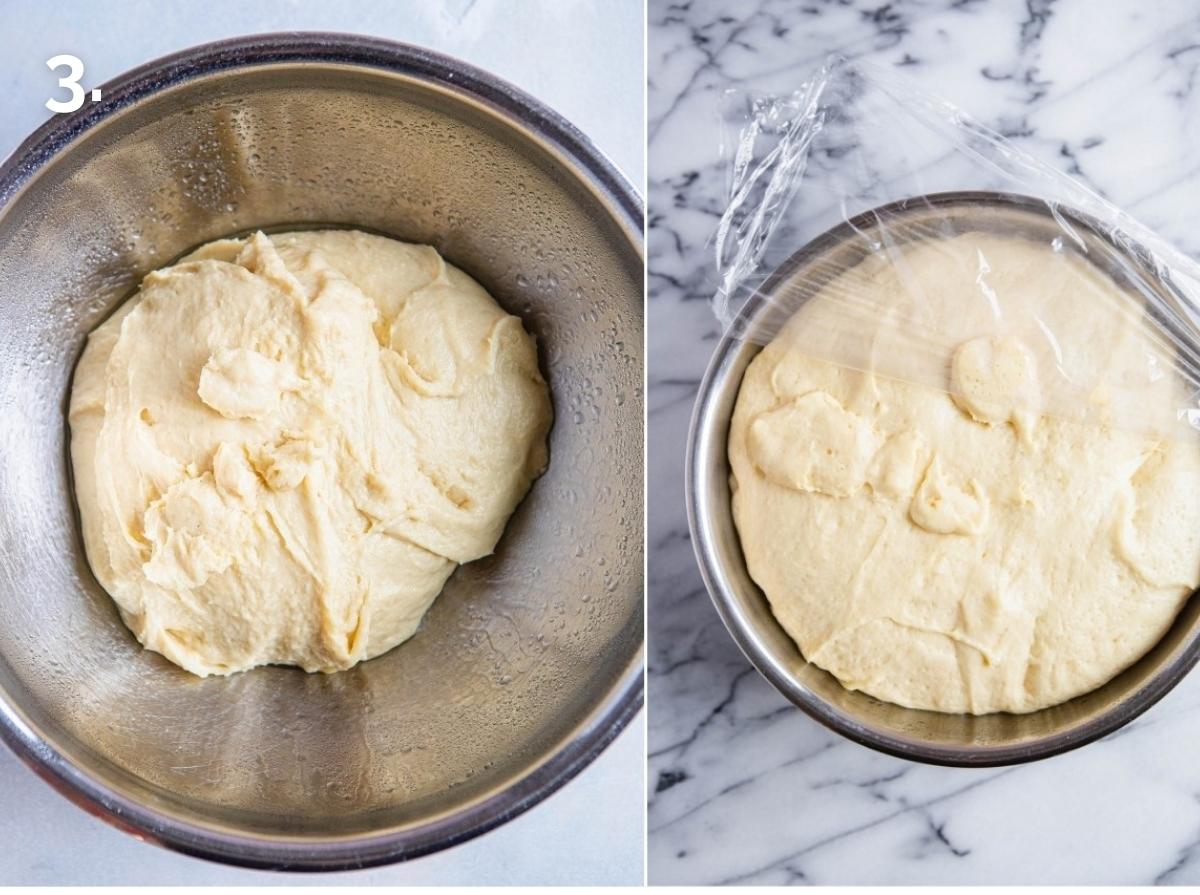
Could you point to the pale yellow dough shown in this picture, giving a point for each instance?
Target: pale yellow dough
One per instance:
(990, 526)
(284, 445)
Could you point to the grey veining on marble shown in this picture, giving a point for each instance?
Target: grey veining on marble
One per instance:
(743, 787)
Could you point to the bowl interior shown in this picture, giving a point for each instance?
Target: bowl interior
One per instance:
(524, 649)
(999, 738)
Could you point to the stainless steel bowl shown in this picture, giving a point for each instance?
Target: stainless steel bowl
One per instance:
(530, 661)
(963, 740)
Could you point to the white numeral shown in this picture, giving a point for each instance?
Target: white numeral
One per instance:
(71, 82)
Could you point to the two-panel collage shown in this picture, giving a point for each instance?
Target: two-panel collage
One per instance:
(599, 443)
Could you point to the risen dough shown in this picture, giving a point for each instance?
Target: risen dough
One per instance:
(284, 446)
(966, 534)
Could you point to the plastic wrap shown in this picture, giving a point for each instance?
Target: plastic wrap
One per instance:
(938, 253)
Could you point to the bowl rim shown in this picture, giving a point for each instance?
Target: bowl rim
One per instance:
(702, 431)
(594, 732)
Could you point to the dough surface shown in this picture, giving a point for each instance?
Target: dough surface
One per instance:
(984, 528)
(283, 446)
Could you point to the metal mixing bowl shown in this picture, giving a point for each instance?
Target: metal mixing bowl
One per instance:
(964, 740)
(530, 662)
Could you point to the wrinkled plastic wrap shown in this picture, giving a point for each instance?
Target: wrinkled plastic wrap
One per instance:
(923, 247)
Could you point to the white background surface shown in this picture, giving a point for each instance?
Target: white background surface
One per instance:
(581, 57)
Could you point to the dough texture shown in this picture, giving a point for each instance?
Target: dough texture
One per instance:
(966, 516)
(284, 445)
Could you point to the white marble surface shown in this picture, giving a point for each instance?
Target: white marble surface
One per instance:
(743, 787)
(583, 58)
